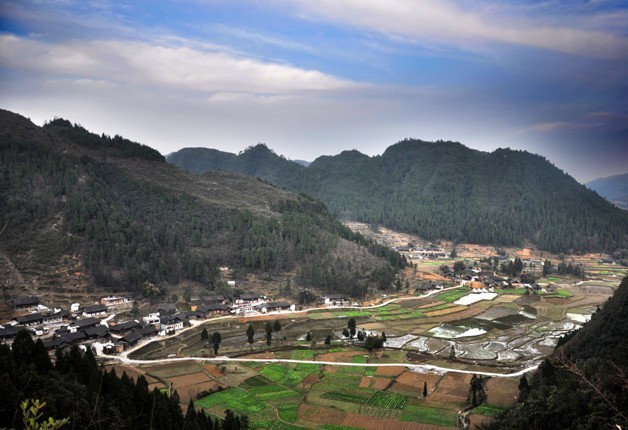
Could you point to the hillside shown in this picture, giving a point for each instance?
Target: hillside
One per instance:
(583, 385)
(81, 211)
(613, 188)
(443, 190)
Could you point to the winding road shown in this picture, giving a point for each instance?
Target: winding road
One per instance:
(420, 368)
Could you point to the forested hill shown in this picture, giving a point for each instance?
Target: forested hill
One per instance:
(78, 210)
(444, 190)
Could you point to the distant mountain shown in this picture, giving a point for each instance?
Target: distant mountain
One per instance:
(613, 188)
(79, 210)
(443, 190)
(302, 162)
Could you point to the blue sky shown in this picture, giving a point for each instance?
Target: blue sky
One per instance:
(311, 78)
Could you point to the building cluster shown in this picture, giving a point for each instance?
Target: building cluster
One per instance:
(62, 328)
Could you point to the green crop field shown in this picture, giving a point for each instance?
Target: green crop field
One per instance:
(430, 415)
(489, 410)
(288, 412)
(256, 381)
(388, 400)
(346, 397)
(233, 398)
(285, 375)
(452, 295)
(302, 354)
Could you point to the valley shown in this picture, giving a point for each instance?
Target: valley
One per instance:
(434, 339)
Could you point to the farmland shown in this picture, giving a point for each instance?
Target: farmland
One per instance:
(380, 389)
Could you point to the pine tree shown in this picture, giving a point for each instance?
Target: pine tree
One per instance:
(250, 333)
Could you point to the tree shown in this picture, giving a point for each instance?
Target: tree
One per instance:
(269, 333)
(216, 339)
(22, 347)
(31, 414)
(250, 332)
(308, 336)
(361, 336)
(444, 268)
(424, 389)
(477, 395)
(345, 332)
(351, 324)
(459, 267)
(204, 334)
(328, 340)
(383, 336)
(373, 342)
(524, 388)
(452, 353)
(276, 326)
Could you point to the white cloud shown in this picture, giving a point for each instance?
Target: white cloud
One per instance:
(176, 66)
(446, 21)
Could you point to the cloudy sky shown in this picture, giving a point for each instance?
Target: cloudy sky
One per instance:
(315, 77)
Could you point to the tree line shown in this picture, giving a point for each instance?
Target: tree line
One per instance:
(76, 388)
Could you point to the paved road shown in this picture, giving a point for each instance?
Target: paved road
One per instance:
(421, 368)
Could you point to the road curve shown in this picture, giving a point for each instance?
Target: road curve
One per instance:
(420, 368)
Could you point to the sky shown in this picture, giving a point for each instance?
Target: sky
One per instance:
(316, 77)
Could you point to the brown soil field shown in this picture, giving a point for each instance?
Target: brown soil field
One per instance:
(382, 383)
(365, 382)
(390, 370)
(416, 303)
(375, 423)
(506, 298)
(429, 276)
(262, 355)
(415, 381)
(188, 386)
(432, 304)
(172, 369)
(452, 310)
(310, 380)
(454, 388)
(476, 420)
(338, 357)
(502, 391)
(321, 415)
(213, 370)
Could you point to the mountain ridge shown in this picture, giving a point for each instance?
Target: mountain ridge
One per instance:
(81, 211)
(444, 190)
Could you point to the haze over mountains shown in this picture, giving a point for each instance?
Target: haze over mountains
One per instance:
(441, 190)
(78, 210)
(613, 188)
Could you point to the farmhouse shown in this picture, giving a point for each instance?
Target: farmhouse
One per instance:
(275, 306)
(250, 298)
(123, 328)
(336, 299)
(169, 325)
(115, 302)
(83, 324)
(203, 311)
(25, 304)
(95, 310)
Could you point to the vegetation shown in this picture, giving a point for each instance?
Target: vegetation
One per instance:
(76, 389)
(583, 384)
(443, 190)
(114, 209)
